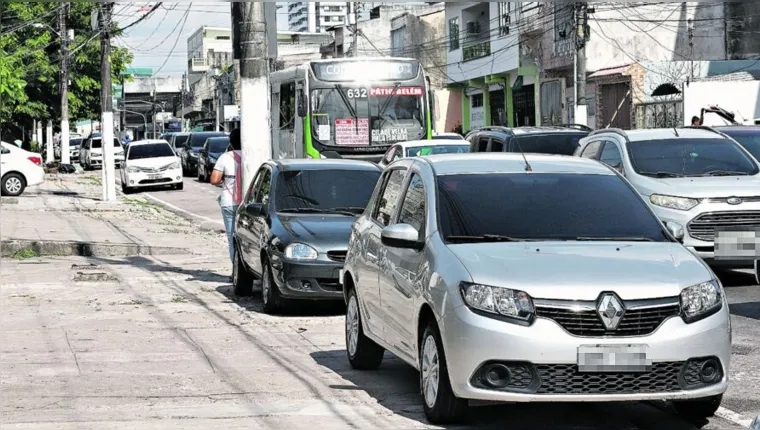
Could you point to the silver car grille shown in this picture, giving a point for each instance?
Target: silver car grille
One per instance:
(753, 199)
(582, 319)
(153, 169)
(703, 227)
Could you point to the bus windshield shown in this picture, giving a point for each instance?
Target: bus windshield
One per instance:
(363, 116)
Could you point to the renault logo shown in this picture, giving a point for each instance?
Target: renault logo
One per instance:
(734, 201)
(610, 310)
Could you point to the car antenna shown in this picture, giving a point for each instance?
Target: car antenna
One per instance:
(528, 168)
(675, 130)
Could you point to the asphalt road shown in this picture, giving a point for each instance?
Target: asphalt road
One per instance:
(395, 386)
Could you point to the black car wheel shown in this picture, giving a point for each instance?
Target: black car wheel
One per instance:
(13, 185)
(242, 278)
(270, 294)
(440, 404)
(363, 353)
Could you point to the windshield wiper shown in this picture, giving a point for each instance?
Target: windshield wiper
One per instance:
(392, 97)
(724, 173)
(356, 210)
(661, 174)
(346, 102)
(484, 238)
(614, 239)
(305, 210)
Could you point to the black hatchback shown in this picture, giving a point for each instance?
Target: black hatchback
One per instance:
(536, 140)
(292, 229)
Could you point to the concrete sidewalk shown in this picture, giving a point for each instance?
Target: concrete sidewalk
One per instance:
(66, 217)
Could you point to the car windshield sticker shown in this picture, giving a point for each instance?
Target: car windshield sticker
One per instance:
(323, 132)
(351, 131)
(426, 151)
(694, 155)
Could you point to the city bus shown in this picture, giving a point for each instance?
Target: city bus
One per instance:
(353, 108)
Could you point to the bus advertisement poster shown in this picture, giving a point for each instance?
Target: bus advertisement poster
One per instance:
(352, 132)
(389, 135)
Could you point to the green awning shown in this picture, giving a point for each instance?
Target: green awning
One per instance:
(518, 84)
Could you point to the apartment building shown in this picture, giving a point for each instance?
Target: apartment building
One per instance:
(317, 17)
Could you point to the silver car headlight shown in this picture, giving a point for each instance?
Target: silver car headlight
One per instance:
(173, 166)
(132, 169)
(300, 252)
(700, 301)
(498, 302)
(671, 202)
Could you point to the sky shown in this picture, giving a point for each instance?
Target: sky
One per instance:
(160, 42)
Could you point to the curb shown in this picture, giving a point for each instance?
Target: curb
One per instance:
(203, 225)
(49, 248)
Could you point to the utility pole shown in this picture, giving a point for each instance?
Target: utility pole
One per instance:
(106, 103)
(581, 38)
(154, 109)
(355, 36)
(49, 156)
(217, 101)
(255, 96)
(691, 54)
(63, 14)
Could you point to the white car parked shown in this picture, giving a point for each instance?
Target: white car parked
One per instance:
(19, 169)
(415, 148)
(151, 163)
(91, 153)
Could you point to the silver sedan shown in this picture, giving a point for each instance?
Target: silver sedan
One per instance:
(545, 278)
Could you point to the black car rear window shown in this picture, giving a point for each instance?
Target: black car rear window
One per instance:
(749, 139)
(557, 144)
(180, 140)
(197, 140)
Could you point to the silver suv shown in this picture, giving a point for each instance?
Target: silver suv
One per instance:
(702, 184)
(501, 280)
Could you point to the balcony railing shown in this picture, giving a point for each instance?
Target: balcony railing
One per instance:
(479, 50)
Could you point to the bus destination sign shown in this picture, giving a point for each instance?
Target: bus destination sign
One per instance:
(338, 71)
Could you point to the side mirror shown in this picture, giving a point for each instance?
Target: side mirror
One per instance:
(401, 236)
(255, 209)
(676, 230)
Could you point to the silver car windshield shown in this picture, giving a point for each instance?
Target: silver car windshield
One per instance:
(671, 158)
(543, 206)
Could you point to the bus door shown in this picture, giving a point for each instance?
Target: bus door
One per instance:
(300, 113)
(284, 146)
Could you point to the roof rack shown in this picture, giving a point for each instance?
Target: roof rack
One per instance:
(705, 127)
(577, 126)
(610, 130)
(495, 128)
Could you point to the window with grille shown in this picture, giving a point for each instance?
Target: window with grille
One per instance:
(505, 8)
(454, 34)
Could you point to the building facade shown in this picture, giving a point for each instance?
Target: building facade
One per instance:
(317, 17)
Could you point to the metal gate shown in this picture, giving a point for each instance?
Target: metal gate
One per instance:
(660, 115)
(616, 106)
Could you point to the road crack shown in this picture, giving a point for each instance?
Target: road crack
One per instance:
(74, 354)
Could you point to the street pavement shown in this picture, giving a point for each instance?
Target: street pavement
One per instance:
(160, 342)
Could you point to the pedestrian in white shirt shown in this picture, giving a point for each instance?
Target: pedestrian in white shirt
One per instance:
(228, 172)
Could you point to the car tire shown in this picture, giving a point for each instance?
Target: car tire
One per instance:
(126, 190)
(440, 404)
(757, 274)
(363, 353)
(270, 294)
(698, 409)
(242, 278)
(13, 185)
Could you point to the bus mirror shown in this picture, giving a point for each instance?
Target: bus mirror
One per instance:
(301, 104)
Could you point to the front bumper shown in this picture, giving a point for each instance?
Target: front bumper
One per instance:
(699, 227)
(549, 355)
(167, 177)
(308, 280)
(192, 162)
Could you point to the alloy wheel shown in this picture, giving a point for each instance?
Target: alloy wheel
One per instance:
(352, 325)
(430, 369)
(13, 185)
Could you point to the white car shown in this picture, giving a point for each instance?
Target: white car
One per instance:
(448, 136)
(19, 169)
(91, 153)
(416, 148)
(151, 163)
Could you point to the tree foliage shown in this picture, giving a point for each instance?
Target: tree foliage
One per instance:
(30, 64)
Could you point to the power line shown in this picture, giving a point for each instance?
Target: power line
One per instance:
(176, 41)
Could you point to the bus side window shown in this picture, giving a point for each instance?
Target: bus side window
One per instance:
(287, 105)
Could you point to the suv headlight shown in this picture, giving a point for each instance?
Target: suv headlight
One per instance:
(671, 202)
(700, 301)
(194, 154)
(498, 301)
(132, 169)
(173, 166)
(300, 252)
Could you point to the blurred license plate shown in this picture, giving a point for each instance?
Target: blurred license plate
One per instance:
(613, 358)
(736, 244)
(155, 176)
